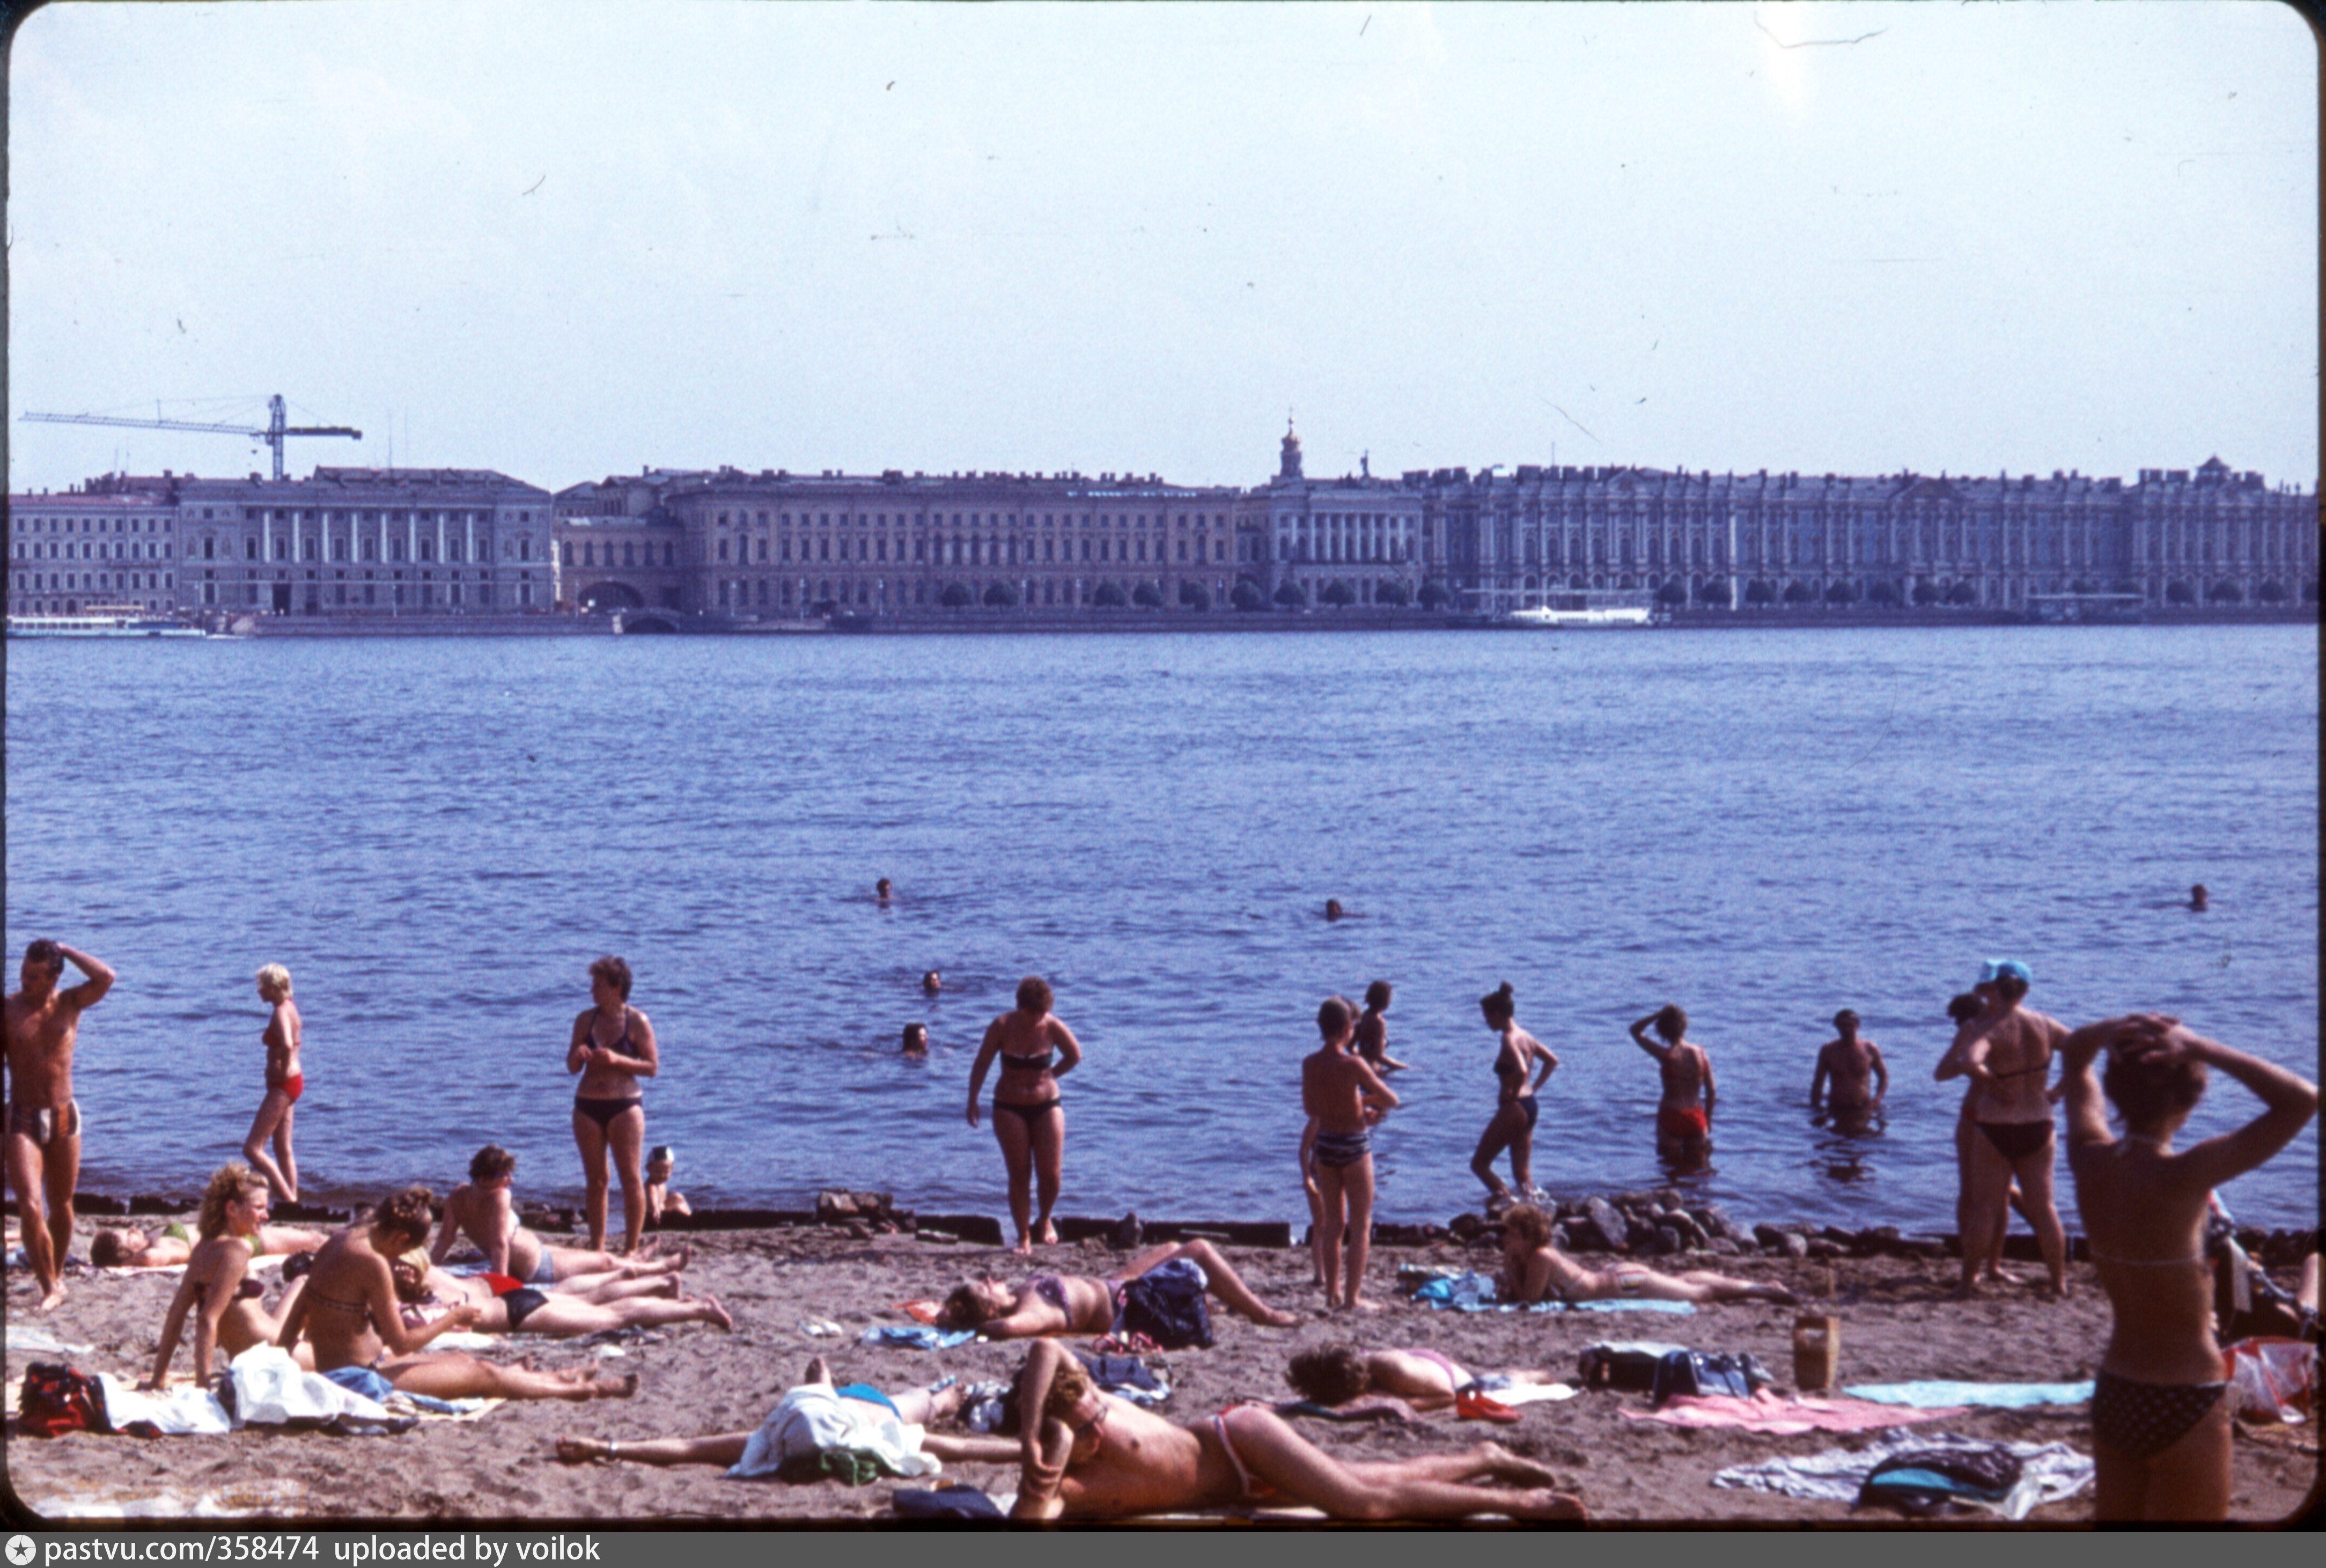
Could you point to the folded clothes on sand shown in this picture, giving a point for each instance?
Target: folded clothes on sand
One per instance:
(1467, 1291)
(1934, 1395)
(2048, 1471)
(1764, 1412)
(177, 1412)
(915, 1337)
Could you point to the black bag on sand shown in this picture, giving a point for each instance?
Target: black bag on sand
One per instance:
(1694, 1372)
(954, 1502)
(1167, 1304)
(1626, 1364)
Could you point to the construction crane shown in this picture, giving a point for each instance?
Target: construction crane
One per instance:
(276, 427)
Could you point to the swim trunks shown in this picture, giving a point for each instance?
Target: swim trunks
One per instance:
(1339, 1149)
(44, 1127)
(1688, 1123)
(1253, 1490)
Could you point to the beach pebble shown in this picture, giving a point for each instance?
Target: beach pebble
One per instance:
(1793, 1245)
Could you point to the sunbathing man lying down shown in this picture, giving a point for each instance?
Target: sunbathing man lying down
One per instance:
(126, 1247)
(1534, 1269)
(1076, 1304)
(1086, 1455)
(912, 1406)
(1424, 1379)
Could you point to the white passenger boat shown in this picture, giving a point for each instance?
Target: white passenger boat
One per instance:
(101, 621)
(1599, 608)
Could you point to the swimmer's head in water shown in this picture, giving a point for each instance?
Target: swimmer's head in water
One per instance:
(1500, 1005)
(404, 1220)
(881, 888)
(1330, 1374)
(615, 973)
(1671, 1023)
(2198, 896)
(1846, 1021)
(492, 1163)
(1333, 910)
(975, 1302)
(916, 1039)
(2149, 1093)
(231, 1185)
(274, 982)
(1034, 995)
(1334, 1018)
(933, 982)
(113, 1248)
(1527, 1225)
(1377, 995)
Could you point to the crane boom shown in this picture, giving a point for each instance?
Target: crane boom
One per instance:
(273, 434)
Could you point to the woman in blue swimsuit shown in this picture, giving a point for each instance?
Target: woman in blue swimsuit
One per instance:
(1035, 1051)
(613, 1047)
(2161, 1413)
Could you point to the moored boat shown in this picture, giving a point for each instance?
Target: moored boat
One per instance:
(100, 621)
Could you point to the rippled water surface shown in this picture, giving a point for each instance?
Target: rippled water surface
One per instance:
(438, 835)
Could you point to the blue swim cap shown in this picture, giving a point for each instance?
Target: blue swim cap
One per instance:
(1997, 969)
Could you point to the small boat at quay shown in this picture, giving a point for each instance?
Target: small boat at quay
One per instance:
(100, 621)
(1577, 611)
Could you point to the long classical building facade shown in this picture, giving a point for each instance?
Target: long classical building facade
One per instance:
(353, 543)
(349, 542)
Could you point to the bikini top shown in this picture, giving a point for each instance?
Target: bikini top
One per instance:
(1507, 1067)
(1049, 1288)
(621, 1047)
(1028, 1063)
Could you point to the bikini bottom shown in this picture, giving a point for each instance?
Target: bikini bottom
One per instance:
(522, 1304)
(603, 1111)
(1025, 1113)
(2016, 1140)
(2141, 1419)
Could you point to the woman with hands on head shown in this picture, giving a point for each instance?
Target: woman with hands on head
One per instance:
(1036, 1050)
(2161, 1423)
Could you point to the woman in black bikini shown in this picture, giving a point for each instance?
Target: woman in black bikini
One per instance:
(2006, 1051)
(1513, 1127)
(1027, 1120)
(2160, 1424)
(613, 1047)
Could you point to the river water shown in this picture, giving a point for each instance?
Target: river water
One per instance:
(437, 835)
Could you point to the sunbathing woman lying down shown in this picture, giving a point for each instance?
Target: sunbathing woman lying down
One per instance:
(1086, 1455)
(1424, 1379)
(1534, 1269)
(629, 1297)
(1076, 1304)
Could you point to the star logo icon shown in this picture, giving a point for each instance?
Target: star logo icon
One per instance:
(21, 1550)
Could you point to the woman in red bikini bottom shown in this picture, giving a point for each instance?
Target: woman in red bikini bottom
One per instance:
(2161, 1413)
(285, 1084)
(1085, 1454)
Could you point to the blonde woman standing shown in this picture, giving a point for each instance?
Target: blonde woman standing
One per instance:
(285, 1084)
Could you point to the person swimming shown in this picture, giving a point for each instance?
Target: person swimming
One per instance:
(916, 1040)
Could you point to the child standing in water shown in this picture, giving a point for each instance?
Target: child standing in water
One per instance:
(1345, 1096)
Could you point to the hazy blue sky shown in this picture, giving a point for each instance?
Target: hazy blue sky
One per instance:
(573, 239)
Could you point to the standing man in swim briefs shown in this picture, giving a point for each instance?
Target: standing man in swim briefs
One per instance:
(42, 1023)
(2006, 1051)
(1851, 1068)
(1684, 1115)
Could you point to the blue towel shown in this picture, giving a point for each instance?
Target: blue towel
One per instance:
(1943, 1396)
(363, 1380)
(915, 1337)
(1474, 1292)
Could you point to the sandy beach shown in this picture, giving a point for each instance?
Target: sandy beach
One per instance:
(1897, 1326)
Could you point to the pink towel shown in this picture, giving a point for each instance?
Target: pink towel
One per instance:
(1764, 1412)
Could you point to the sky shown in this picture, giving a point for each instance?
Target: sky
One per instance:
(571, 240)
